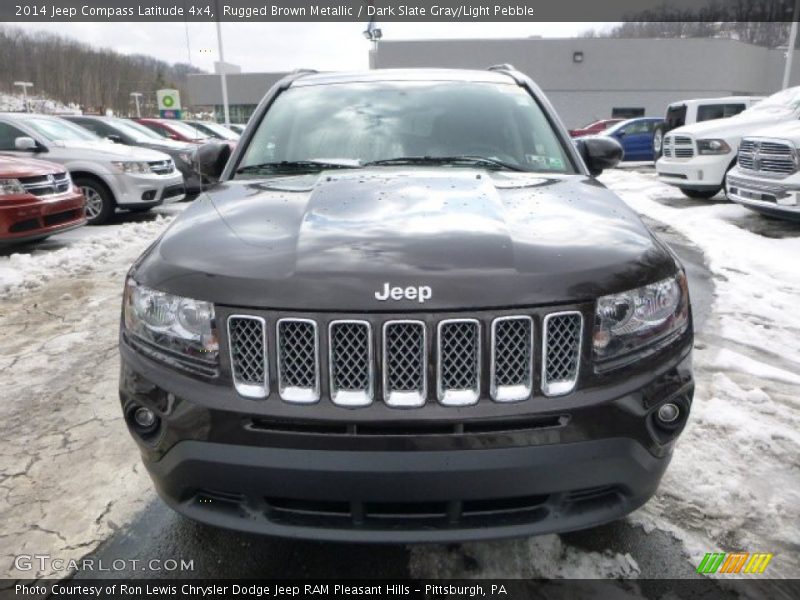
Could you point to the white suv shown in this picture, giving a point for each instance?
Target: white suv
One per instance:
(110, 175)
(697, 157)
(767, 175)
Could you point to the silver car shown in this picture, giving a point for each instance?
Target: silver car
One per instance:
(111, 175)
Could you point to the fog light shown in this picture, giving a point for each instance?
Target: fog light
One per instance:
(668, 412)
(145, 418)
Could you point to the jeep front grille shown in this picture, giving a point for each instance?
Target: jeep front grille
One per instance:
(351, 370)
(392, 361)
(512, 359)
(247, 339)
(405, 354)
(562, 350)
(298, 360)
(459, 361)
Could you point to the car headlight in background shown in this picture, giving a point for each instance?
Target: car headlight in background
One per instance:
(11, 187)
(132, 166)
(182, 327)
(712, 147)
(629, 324)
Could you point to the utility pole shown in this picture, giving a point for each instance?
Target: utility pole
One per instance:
(136, 96)
(222, 78)
(787, 71)
(24, 85)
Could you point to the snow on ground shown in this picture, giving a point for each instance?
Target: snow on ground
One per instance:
(69, 474)
(39, 104)
(734, 482)
(24, 271)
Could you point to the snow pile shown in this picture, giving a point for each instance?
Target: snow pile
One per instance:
(38, 104)
(526, 558)
(21, 272)
(734, 482)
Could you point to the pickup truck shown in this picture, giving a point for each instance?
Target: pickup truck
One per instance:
(696, 158)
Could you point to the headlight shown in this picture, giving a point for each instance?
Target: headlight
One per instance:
(132, 166)
(712, 147)
(630, 323)
(177, 325)
(10, 187)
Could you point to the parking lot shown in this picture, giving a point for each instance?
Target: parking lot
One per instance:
(733, 482)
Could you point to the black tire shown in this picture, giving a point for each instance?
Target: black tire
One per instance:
(658, 141)
(700, 194)
(100, 202)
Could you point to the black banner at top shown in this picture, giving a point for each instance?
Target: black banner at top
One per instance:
(395, 10)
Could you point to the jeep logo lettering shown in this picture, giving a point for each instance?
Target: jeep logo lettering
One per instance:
(420, 293)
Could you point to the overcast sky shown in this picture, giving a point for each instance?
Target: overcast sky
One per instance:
(282, 46)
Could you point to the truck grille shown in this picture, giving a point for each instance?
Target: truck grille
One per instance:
(46, 185)
(454, 357)
(678, 146)
(768, 157)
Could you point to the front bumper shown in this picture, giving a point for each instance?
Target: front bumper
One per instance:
(698, 172)
(31, 218)
(776, 197)
(135, 190)
(479, 472)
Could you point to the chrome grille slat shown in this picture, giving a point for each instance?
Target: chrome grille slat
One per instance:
(405, 361)
(298, 360)
(350, 362)
(562, 347)
(162, 167)
(511, 377)
(458, 361)
(769, 157)
(247, 344)
(678, 146)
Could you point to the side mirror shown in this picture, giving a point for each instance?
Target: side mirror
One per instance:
(26, 144)
(210, 160)
(114, 138)
(600, 153)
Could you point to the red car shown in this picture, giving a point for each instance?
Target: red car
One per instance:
(175, 130)
(37, 199)
(594, 128)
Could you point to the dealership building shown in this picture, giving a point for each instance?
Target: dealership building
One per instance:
(585, 78)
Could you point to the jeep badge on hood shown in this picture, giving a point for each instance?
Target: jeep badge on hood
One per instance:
(420, 294)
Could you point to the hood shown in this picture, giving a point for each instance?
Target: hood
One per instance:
(12, 167)
(786, 130)
(478, 239)
(107, 150)
(167, 145)
(736, 126)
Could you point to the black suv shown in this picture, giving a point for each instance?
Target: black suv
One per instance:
(406, 312)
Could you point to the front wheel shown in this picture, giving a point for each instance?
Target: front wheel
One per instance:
(700, 194)
(658, 141)
(99, 200)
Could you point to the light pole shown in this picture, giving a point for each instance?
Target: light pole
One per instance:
(136, 96)
(24, 85)
(222, 78)
(787, 70)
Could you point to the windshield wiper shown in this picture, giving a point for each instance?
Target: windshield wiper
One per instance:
(297, 165)
(464, 159)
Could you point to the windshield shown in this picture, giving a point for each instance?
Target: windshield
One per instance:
(135, 133)
(58, 130)
(142, 133)
(187, 130)
(378, 121)
(221, 131)
(788, 99)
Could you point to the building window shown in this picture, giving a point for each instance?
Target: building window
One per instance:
(626, 112)
(577, 57)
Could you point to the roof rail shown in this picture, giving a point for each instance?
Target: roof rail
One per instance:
(502, 67)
